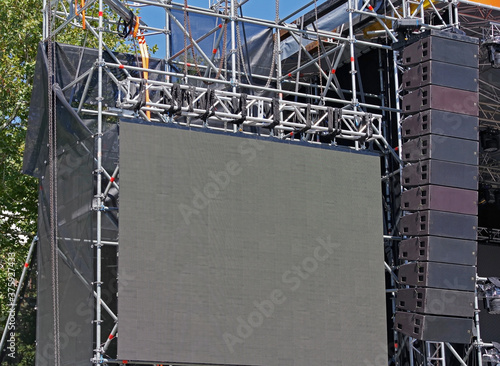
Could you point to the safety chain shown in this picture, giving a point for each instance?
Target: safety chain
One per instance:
(187, 22)
(52, 121)
(276, 45)
(319, 48)
(241, 56)
(224, 41)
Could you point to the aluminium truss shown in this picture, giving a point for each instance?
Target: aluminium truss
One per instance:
(299, 95)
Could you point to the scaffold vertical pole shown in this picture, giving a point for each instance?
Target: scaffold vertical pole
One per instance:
(354, 99)
(478, 330)
(352, 55)
(388, 199)
(98, 244)
(455, 12)
(398, 106)
(46, 14)
(233, 46)
(400, 154)
(279, 71)
(168, 36)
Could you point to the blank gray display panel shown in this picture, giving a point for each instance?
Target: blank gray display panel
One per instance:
(237, 250)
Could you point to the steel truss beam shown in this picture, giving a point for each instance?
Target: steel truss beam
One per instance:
(488, 235)
(209, 107)
(489, 170)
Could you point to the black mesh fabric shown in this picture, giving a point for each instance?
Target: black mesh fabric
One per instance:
(76, 153)
(74, 220)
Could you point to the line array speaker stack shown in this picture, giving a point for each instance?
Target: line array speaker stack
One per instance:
(440, 152)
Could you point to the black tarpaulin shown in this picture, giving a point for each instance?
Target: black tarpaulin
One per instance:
(75, 191)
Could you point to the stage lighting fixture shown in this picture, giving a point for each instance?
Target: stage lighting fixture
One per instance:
(111, 199)
(493, 47)
(489, 140)
(490, 292)
(406, 26)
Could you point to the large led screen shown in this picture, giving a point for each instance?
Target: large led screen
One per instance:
(246, 251)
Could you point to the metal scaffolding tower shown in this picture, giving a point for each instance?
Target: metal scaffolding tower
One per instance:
(207, 80)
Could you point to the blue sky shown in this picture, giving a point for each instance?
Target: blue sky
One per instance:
(264, 9)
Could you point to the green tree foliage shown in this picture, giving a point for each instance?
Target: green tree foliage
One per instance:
(20, 33)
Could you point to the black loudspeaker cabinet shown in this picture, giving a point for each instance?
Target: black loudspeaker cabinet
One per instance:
(434, 328)
(445, 47)
(436, 301)
(438, 275)
(439, 249)
(441, 148)
(442, 173)
(441, 123)
(441, 98)
(440, 198)
(439, 223)
(442, 74)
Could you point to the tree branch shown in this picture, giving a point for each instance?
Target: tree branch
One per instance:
(8, 122)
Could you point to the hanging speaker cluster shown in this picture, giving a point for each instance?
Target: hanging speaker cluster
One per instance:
(440, 152)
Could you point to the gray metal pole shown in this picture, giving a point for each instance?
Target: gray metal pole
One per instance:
(13, 304)
(478, 330)
(167, 42)
(233, 45)
(98, 245)
(46, 15)
(351, 50)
